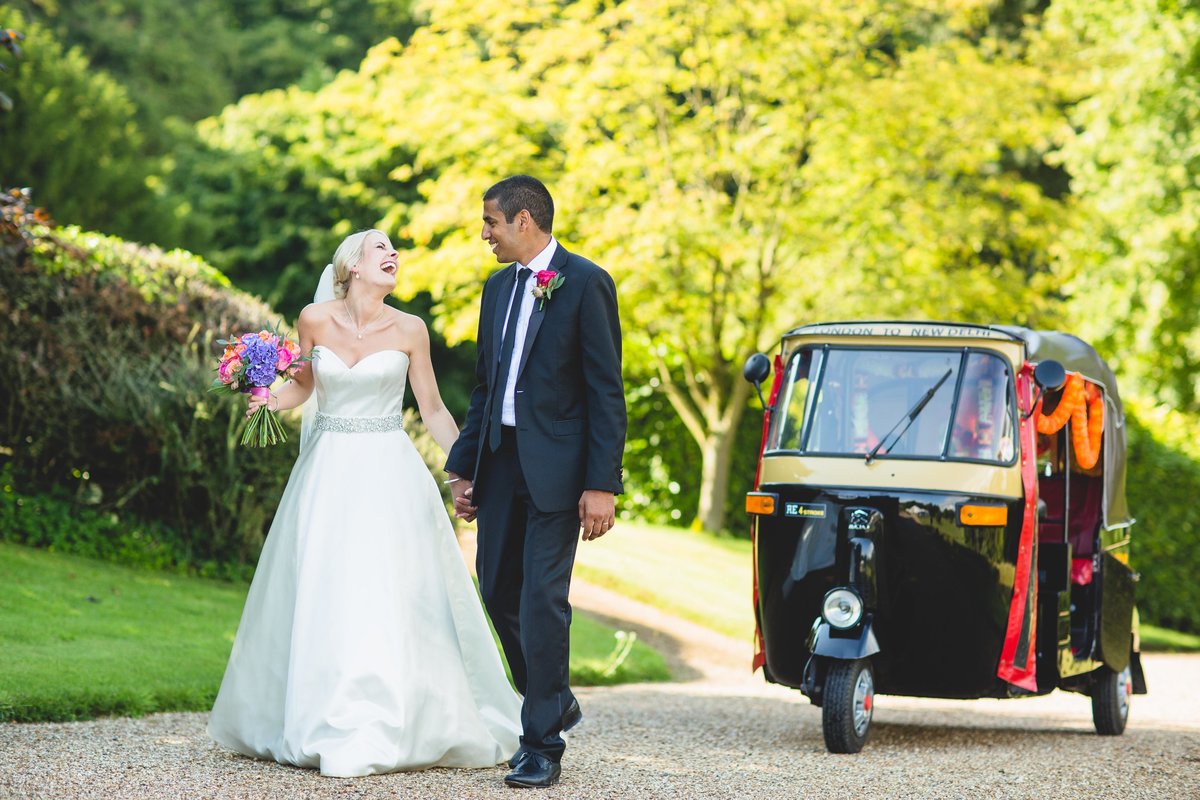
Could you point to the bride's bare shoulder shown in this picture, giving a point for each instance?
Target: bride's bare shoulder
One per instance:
(410, 325)
(319, 313)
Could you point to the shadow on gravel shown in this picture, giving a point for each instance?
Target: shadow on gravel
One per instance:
(890, 734)
(790, 722)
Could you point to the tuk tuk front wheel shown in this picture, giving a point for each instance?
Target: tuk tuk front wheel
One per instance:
(848, 701)
(1110, 700)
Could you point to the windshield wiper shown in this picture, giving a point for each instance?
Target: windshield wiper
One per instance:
(910, 415)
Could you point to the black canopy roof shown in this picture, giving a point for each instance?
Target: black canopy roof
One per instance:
(1076, 355)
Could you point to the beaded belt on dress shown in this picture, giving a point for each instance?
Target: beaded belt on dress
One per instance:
(331, 422)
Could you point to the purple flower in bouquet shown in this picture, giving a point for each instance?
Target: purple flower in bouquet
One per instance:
(251, 363)
(260, 357)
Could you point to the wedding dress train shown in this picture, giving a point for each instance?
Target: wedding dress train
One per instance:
(363, 647)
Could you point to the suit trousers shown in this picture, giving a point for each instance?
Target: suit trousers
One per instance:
(524, 561)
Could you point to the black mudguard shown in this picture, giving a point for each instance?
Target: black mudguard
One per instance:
(829, 642)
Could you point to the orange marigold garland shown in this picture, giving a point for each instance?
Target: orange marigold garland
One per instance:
(1083, 403)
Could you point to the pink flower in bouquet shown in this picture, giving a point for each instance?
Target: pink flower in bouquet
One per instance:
(289, 351)
(228, 369)
(284, 361)
(251, 363)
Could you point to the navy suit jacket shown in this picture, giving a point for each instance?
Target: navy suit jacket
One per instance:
(569, 396)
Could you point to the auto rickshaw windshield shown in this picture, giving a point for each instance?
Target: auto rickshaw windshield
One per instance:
(845, 401)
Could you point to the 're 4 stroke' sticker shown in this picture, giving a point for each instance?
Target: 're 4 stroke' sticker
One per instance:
(809, 510)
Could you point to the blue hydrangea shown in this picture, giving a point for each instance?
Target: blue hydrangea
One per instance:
(260, 358)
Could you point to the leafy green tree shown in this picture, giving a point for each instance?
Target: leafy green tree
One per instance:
(72, 137)
(718, 160)
(1134, 153)
(186, 61)
(268, 188)
(738, 170)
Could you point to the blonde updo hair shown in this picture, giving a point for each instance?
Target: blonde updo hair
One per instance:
(346, 258)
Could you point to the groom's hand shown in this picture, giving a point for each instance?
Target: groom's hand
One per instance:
(597, 513)
(463, 490)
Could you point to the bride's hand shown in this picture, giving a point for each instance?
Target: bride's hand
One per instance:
(271, 402)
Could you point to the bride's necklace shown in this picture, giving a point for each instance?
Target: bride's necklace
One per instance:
(354, 322)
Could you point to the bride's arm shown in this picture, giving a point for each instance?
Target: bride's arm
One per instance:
(434, 414)
(294, 392)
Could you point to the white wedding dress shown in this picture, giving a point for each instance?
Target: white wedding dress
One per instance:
(363, 647)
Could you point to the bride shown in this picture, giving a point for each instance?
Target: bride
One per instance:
(363, 647)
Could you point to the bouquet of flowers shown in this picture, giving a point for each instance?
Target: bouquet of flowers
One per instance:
(251, 363)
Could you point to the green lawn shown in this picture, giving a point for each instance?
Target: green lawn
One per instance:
(82, 638)
(1159, 639)
(697, 576)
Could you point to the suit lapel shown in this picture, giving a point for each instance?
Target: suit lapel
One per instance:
(557, 262)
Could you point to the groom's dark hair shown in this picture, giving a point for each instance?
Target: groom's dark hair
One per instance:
(524, 192)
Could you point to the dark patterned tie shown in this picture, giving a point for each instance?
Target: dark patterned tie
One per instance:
(506, 354)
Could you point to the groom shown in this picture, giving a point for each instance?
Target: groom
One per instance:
(539, 457)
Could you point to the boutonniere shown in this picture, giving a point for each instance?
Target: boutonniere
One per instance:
(547, 281)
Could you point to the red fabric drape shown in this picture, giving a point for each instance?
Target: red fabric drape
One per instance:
(760, 656)
(1018, 656)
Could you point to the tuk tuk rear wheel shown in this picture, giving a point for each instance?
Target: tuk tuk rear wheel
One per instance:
(848, 702)
(1110, 700)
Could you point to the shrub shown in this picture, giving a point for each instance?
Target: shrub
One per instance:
(54, 521)
(1162, 478)
(110, 444)
(106, 352)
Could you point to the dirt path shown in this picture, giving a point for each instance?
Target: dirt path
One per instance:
(692, 652)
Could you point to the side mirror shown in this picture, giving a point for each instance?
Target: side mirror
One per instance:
(757, 368)
(1049, 375)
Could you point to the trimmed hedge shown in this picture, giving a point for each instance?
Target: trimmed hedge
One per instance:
(106, 352)
(110, 444)
(1162, 483)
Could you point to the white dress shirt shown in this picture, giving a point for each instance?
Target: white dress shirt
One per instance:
(508, 408)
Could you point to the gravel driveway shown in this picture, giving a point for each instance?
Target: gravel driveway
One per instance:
(720, 733)
(719, 736)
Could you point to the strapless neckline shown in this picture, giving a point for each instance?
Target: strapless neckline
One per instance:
(342, 361)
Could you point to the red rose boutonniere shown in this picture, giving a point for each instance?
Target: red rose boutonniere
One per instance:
(547, 281)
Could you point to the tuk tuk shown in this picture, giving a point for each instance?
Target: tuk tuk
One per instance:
(940, 511)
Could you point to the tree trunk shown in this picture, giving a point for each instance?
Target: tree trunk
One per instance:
(712, 420)
(716, 453)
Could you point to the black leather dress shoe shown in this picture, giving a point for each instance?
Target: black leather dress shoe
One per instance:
(534, 772)
(517, 758)
(572, 716)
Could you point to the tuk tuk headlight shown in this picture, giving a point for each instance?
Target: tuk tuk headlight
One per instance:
(842, 608)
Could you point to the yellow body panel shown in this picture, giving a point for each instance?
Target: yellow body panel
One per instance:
(894, 474)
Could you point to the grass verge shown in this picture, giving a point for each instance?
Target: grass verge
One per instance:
(1163, 640)
(82, 638)
(703, 578)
